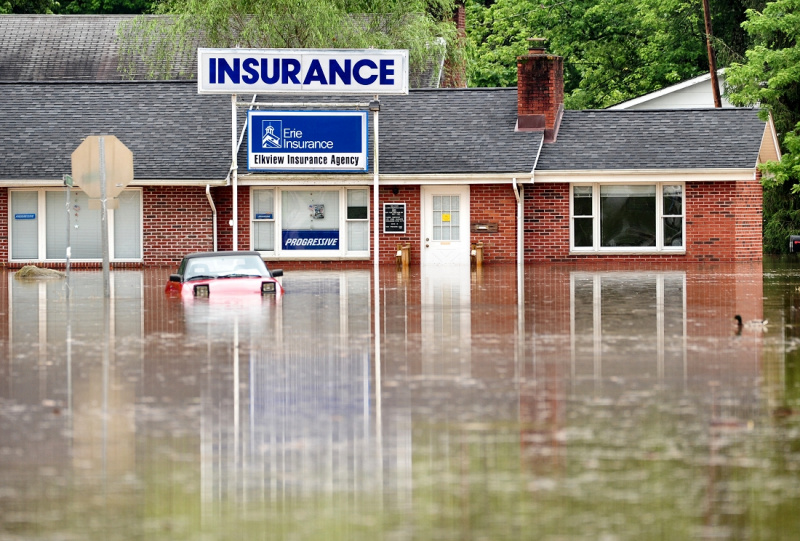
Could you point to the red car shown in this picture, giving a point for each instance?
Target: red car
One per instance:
(216, 274)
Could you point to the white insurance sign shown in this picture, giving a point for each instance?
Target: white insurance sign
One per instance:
(302, 71)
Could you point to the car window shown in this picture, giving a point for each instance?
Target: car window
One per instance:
(225, 265)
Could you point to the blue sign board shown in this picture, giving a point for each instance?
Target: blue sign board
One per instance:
(329, 141)
(26, 216)
(303, 239)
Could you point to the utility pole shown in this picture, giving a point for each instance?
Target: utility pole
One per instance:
(712, 61)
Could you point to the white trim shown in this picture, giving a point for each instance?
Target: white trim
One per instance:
(367, 179)
(597, 249)
(385, 179)
(647, 176)
(52, 183)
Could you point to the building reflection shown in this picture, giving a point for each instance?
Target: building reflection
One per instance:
(278, 400)
(290, 411)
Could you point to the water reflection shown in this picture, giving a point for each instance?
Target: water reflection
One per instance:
(613, 403)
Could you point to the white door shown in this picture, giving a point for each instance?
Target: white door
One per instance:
(445, 225)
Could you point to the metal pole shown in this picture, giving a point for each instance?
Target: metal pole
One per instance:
(375, 108)
(234, 174)
(104, 218)
(68, 183)
(712, 61)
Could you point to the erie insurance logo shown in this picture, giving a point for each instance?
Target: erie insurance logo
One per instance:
(271, 133)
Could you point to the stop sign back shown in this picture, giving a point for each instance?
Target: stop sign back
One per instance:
(87, 166)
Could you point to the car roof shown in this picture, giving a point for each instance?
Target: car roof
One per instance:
(221, 254)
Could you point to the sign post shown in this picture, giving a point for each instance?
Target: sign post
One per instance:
(68, 182)
(102, 166)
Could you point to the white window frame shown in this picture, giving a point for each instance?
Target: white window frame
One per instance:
(42, 228)
(343, 252)
(596, 248)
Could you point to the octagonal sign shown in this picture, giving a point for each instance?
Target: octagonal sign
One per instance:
(95, 153)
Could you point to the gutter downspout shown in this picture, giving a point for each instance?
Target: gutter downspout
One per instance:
(519, 193)
(521, 210)
(213, 215)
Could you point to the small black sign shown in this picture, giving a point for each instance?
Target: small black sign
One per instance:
(394, 217)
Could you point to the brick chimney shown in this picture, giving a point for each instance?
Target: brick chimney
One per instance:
(540, 91)
(455, 74)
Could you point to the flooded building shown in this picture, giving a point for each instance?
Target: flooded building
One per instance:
(506, 172)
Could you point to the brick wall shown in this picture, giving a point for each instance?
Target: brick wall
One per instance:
(495, 203)
(546, 222)
(749, 220)
(177, 220)
(410, 195)
(723, 223)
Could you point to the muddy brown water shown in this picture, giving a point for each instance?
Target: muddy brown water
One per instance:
(567, 403)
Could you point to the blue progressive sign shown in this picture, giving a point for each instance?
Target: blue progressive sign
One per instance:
(331, 141)
(304, 239)
(321, 71)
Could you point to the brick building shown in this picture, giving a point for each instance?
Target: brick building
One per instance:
(507, 169)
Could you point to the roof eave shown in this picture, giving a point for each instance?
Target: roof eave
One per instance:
(740, 174)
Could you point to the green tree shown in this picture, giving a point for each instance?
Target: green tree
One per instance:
(28, 7)
(415, 25)
(73, 7)
(770, 78)
(76, 7)
(613, 50)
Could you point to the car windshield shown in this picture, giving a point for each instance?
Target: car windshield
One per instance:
(232, 266)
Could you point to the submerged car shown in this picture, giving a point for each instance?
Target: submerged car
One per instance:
(212, 274)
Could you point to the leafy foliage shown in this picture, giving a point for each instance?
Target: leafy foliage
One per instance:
(613, 50)
(69, 7)
(28, 6)
(73, 7)
(381, 24)
(770, 78)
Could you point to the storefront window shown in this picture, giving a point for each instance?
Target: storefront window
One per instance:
(24, 222)
(358, 220)
(264, 220)
(40, 221)
(641, 217)
(311, 223)
(310, 220)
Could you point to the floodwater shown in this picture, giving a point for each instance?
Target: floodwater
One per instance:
(574, 403)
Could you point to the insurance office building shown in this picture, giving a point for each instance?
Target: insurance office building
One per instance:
(504, 168)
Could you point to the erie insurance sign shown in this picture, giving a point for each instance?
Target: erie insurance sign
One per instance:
(320, 141)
